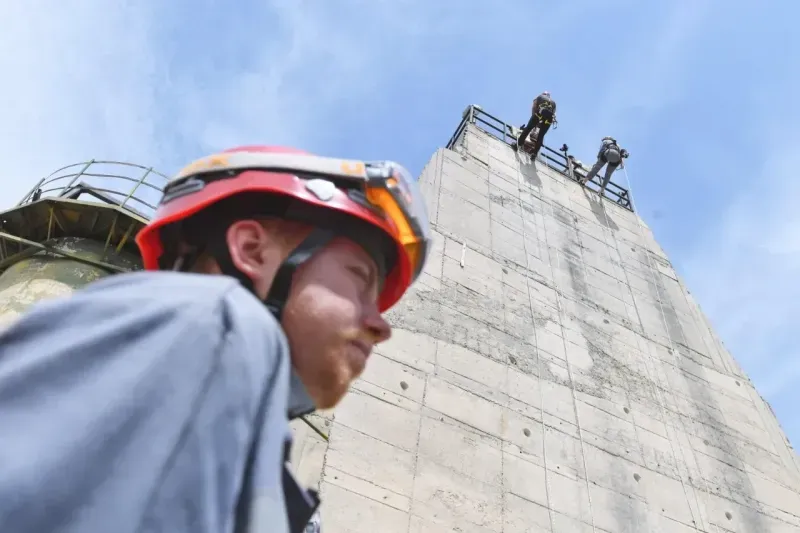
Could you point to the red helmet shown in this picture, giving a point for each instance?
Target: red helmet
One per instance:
(377, 205)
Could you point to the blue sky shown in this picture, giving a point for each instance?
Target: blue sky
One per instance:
(703, 94)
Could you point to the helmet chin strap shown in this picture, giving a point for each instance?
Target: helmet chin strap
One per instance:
(279, 291)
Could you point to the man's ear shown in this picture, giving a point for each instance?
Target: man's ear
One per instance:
(249, 247)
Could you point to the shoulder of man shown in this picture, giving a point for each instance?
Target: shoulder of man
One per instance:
(142, 305)
(176, 288)
(158, 337)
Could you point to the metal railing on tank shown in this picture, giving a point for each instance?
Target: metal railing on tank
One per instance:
(98, 200)
(558, 160)
(129, 186)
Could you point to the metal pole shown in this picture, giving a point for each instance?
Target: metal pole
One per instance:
(58, 251)
(31, 192)
(141, 180)
(78, 175)
(315, 428)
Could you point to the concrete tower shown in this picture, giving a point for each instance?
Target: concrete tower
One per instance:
(549, 373)
(73, 227)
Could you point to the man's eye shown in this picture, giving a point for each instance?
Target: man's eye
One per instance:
(361, 272)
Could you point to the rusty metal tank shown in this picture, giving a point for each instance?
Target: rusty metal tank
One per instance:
(74, 226)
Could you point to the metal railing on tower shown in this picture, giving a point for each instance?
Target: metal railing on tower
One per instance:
(558, 160)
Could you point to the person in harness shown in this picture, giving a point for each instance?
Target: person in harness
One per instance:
(543, 114)
(611, 155)
(160, 400)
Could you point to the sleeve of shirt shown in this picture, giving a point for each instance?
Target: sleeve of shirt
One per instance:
(134, 404)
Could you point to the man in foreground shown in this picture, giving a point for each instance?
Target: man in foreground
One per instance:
(543, 113)
(159, 401)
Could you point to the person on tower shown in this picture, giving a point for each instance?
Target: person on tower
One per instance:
(160, 400)
(611, 155)
(543, 114)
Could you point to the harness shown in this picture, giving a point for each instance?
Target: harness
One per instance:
(545, 112)
(611, 153)
(301, 503)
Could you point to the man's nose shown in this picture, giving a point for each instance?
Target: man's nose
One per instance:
(378, 328)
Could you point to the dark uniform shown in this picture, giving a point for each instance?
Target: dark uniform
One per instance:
(543, 113)
(610, 154)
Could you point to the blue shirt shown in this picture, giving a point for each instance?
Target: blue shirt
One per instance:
(133, 405)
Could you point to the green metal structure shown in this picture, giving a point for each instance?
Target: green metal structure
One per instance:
(74, 226)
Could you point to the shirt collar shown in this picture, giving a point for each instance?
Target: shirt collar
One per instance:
(300, 403)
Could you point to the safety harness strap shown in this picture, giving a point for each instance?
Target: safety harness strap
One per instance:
(301, 504)
(610, 148)
(279, 293)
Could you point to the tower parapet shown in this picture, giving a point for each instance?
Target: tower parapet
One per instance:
(559, 160)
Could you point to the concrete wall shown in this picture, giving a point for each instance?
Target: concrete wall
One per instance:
(561, 380)
(44, 276)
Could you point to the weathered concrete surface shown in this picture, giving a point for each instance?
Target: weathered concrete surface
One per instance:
(562, 380)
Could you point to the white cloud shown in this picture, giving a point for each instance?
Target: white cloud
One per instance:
(351, 54)
(745, 271)
(159, 83)
(745, 268)
(653, 72)
(74, 87)
(139, 82)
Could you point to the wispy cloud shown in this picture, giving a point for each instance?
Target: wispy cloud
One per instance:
(336, 64)
(162, 82)
(73, 87)
(745, 263)
(745, 269)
